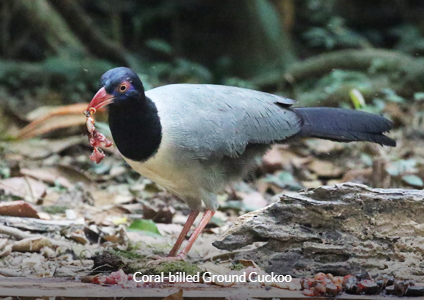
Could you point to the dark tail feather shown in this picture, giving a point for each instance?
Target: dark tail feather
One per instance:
(344, 125)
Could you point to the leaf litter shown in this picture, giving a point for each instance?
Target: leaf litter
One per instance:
(107, 201)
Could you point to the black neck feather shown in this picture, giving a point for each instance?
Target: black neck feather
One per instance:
(136, 129)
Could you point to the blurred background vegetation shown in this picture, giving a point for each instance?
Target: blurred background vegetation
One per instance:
(316, 51)
(359, 54)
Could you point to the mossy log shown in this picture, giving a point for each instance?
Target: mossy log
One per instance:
(405, 73)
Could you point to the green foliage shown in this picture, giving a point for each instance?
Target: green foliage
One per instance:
(402, 166)
(285, 180)
(314, 91)
(238, 267)
(366, 159)
(56, 79)
(55, 209)
(357, 99)
(146, 226)
(269, 19)
(160, 46)
(413, 180)
(333, 34)
(126, 254)
(233, 81)
(391, 96)
(410, 38)
(177, 266)
(4, 170)
(419, 96)
(179, 70)
(318, 11)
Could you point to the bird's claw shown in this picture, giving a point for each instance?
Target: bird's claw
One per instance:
(157, 259)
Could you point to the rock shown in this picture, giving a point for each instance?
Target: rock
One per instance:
(337, 229)
(415, 291)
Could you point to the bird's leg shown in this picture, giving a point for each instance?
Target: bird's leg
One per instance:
(203, 222)
(191, 217)
(181, 256)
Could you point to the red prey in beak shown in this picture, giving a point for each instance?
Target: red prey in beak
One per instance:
(97, 139)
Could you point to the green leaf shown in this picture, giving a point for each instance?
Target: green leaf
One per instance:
(366, 159)
(391, 95)
(160, 46)
(419, 96)
(357, 98)
(270, 20)
(217, 221)
(232, 204)
(413, 180)
(396, 168)
(283, 180)
(147, 226)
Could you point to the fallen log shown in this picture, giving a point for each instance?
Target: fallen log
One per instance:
(337, 229)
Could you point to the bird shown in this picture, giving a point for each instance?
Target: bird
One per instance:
(195, 139)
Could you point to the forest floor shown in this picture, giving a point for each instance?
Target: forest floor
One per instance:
(63, 216)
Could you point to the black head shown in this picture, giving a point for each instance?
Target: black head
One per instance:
(133, 118)
(118, 86)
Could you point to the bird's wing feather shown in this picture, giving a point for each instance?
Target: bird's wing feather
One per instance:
(215, 121)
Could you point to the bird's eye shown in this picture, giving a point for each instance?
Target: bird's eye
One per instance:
(123, 86)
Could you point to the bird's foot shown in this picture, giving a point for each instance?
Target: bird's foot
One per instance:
(157, 259)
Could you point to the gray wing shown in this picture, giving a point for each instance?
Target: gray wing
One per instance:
(215, 121)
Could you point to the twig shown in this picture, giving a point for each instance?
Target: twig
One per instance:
(35, 224)
(14, 232)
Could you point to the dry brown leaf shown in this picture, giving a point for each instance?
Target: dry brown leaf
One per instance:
(311, 183)
(5, 251)
(79, 237)
(283, 285)
(287, 157)
(49, 175)
(5, 247)
(249, 263)
(334, 182)
(169, 229)
(272, 160)
(117, 171)
(44, 112)
(33, 244)
(324, 168)
(324, 146)
(3, 243)
(176, 296)
(358, 176)
(46, 119)
(51, 124)
(18, 209)
(121, 199)
(23, 187)
(215, 269)
(38, 149)
(158, 215)
(105, 198)
(224, 283)
(73, 174)
(253, 200)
